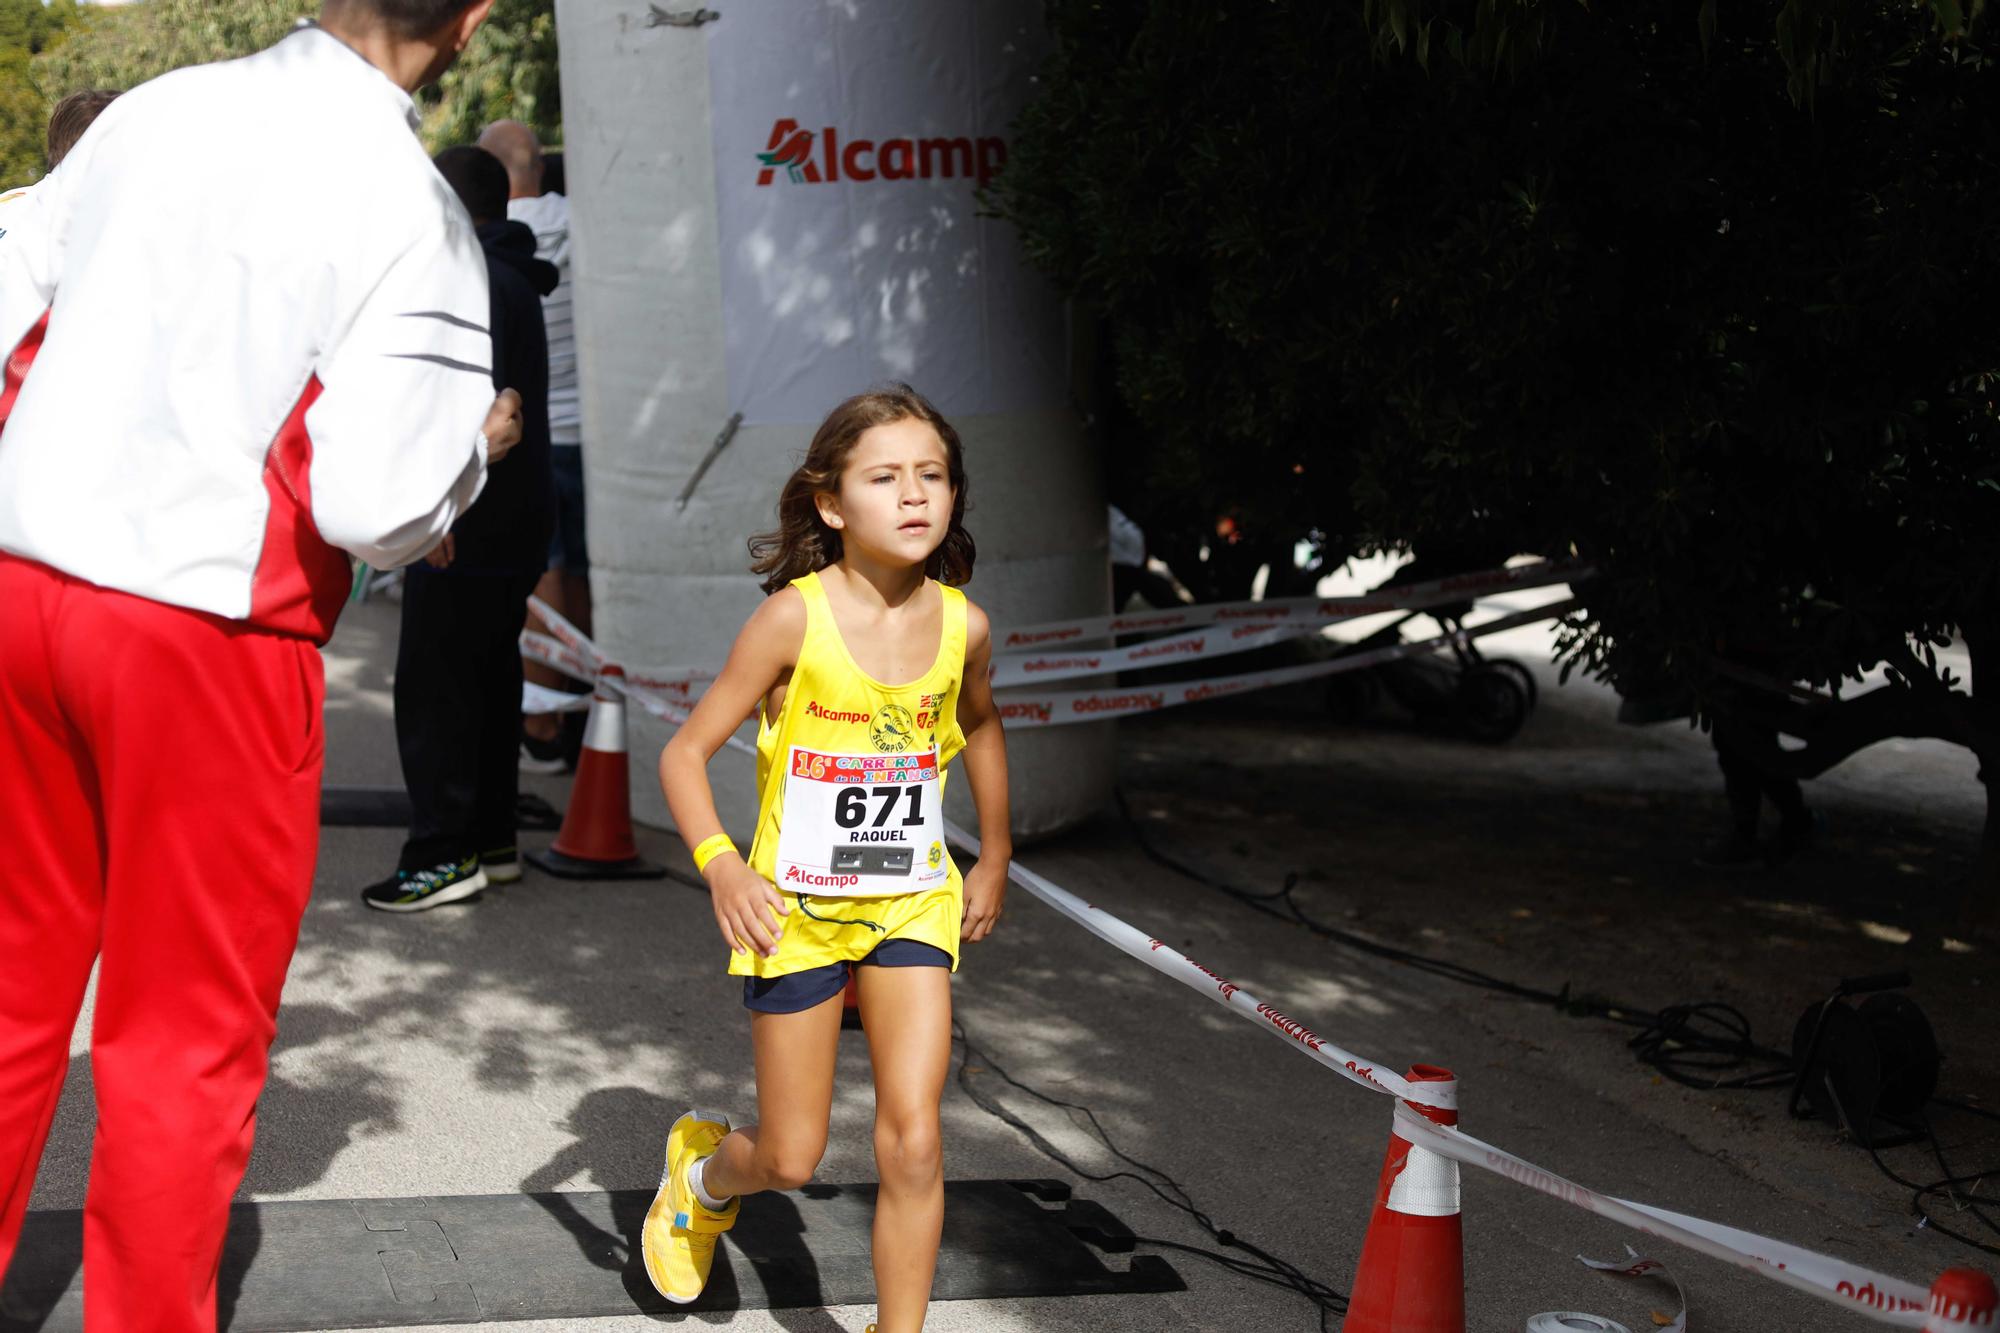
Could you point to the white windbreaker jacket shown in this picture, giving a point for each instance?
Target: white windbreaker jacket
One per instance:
(245, 325)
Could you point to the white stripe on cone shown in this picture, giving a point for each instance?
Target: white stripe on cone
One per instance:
(605, 731)
(1427, 1186)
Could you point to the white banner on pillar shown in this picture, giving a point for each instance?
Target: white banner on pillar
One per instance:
(850, 136)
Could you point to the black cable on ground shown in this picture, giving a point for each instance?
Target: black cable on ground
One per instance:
(1694, 1044)
(1709, 1037)
(1946, 1184)
(1252, 1261)
(1927, 1216)
(1953, 1104)
(1673, 1042)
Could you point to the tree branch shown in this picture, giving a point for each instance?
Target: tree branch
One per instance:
(1833, 732)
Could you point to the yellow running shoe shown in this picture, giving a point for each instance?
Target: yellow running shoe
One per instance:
(679, 1235)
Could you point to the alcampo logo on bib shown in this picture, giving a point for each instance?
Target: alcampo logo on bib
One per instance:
(892, 729)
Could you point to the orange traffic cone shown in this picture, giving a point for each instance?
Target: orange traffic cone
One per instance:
(1411, 1278)
(595, 841)
(1961, 1298)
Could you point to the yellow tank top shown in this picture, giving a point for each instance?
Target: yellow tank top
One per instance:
(850, 774)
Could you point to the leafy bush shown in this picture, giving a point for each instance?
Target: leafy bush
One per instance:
(1703, 298)
(509, 70)
(27, 28)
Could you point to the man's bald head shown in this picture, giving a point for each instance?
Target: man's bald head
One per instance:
(520, 152)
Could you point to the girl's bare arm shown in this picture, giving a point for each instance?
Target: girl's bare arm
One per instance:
(985, 756)
(767, 647)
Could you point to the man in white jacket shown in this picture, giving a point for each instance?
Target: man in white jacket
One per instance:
(225, 370)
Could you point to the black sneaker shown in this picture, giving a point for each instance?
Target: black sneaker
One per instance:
(1732, 853)
(532, 812)
(502, 865)
(419, 890)
(539, 756)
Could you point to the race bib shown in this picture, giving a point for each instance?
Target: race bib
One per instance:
(861, 825)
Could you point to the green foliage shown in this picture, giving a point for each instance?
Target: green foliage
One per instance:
(1490, 34)
(30, 25)
(1503, 34)
(22, 113)
(27, 28)
(126, 45)
(1620, 296)
(508, 70)
(1185, 175)
(507, 73)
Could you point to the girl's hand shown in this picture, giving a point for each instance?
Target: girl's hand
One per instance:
(748, 908)
(985, 890)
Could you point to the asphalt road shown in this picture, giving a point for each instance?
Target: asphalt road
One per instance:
(543, 1036)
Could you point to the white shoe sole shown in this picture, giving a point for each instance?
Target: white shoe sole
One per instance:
(465, 888)
(501, 874)
(527, 763)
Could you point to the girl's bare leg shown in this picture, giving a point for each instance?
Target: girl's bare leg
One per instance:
(795, 1056)
(907, 1014)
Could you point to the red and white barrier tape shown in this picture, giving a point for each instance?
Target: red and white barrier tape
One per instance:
(1193, 646)
(1636, 1265)
(541, 699)
(1054, 710)
(1127, 938)
(569, 650)
(1886, 1299)
(551, 652)
(1239, 627)
(1021, 709)
(1011, 669)
(569, 636)
(1243, 627)
(1298, 610)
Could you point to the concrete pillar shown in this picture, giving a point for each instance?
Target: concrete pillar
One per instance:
(670, 580)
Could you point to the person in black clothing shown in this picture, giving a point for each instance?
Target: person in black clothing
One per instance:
(1740, 739)
(458, 667)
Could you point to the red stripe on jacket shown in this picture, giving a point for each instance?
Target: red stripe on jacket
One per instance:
(301, 582)
(18, 362)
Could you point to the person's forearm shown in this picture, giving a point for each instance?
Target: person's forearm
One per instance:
(690, 800)
(986, 771)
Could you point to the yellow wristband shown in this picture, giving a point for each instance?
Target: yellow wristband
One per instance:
(709, 849)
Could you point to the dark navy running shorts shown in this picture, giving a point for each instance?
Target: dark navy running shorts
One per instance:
(798, 991)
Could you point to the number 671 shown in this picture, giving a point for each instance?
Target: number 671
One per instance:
(850, 808)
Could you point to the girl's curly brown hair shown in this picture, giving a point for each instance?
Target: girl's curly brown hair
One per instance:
(803, 542)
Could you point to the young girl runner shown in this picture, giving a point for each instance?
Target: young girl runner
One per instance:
(867, 670)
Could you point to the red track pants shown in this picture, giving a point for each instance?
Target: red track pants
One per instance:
(159, 808)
